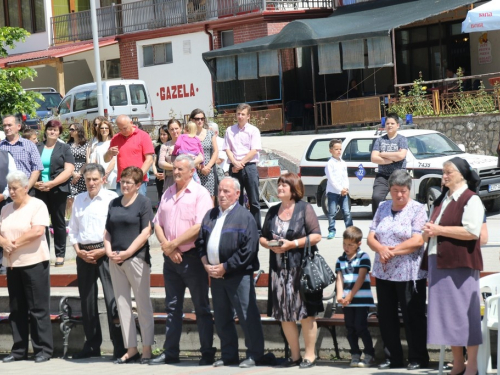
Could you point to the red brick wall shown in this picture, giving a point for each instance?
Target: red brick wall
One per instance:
(128, 59)
(251, 31)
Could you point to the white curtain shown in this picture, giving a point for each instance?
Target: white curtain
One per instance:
(226, 69)
(247, 66)
(353, 53)
(268, 64)
(329, 58)
(379, 52)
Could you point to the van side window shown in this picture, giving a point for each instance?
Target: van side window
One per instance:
(118, 96)
(80, 102)
(65, 105)
(138, 94)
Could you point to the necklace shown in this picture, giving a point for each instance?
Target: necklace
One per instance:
(286, 212)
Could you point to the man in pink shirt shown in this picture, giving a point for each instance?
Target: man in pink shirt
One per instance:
(242, 145)
(133, 148)
(177, 224)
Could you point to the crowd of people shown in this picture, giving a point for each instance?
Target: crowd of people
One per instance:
(206, 231)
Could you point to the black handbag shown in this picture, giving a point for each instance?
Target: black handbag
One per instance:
(316, 274)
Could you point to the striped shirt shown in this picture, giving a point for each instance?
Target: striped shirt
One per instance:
(350, 271)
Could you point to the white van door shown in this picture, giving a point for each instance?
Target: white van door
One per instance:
(129, 99)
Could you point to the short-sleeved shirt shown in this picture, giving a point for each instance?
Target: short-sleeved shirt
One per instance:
(350, 271)
(132, 150)
(384, 144)
(25, 155)
(15, 223)
(125, 224)
(177, 215)
(392, 229)
(186, 145)
(242, 141)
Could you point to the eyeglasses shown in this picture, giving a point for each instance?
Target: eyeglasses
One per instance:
(127, 182)
(199, 118)
(72, 129)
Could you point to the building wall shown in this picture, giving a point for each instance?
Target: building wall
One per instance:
(251, 31)
(494, 66)
(179, 87)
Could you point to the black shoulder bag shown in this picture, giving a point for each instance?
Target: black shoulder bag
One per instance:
(316, 274)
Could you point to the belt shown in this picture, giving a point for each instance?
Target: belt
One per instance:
(91, 246)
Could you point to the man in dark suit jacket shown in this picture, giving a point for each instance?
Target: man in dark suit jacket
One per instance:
(228, 245)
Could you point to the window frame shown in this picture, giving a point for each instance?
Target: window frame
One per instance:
(168, 51)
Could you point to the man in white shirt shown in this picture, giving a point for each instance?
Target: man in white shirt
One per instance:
(228, 246)
(86, 234)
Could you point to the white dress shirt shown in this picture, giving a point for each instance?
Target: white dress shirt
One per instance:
(214, 240)
(336, 174)
(11, 168)
(88, 217)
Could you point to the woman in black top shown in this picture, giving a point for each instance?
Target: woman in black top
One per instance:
(53, 184)
(163, 137)
(128, 228)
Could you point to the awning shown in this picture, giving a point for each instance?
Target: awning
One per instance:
(360, 21)
(483, 18)
(45, 56)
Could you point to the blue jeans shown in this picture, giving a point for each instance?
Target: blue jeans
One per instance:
(343, 202)
(142, 190)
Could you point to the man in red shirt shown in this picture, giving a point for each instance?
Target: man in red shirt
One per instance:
(132, 147)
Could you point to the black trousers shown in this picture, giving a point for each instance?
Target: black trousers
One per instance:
(87, 287)
(29, 300)
(380, 191)
(237, 293)
(159, 189)
(411, 296)
(55, 201)
(248, 178)
(356, 322)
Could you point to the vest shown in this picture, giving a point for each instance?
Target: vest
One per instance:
(453, 253)
(4, 169)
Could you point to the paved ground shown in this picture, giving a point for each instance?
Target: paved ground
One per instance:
(188, 367)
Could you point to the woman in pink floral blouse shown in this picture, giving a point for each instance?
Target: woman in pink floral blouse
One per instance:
(396, 237)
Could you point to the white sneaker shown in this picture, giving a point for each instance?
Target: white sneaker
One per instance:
(368, 361)
(355, 360)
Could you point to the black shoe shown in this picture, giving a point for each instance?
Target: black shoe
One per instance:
(162, 359)
(388, 365)
(11, 358)
(247, 363)
(307, 363)
(289, 362)
(136, 357)
(41, 359)
(417, 365)
(145, 361)
(87, 354)
(59, 264)
(225, 362)
(206, 361)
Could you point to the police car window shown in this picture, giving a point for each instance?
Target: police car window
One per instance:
(359, 150)
(319, 150)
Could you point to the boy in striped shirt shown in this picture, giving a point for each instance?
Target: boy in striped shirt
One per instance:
(355, 295)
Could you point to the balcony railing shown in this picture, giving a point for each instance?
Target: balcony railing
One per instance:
(154, 14)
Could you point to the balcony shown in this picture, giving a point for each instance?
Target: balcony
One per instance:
(153, 14)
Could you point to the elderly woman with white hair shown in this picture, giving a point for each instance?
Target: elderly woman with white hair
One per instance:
(26, 256)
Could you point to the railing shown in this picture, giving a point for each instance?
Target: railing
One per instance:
(153, 14)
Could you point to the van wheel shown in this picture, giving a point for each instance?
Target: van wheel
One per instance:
(324, 206)
(432, 194)
(492, 205)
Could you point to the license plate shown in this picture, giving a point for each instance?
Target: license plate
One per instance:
(493, 187)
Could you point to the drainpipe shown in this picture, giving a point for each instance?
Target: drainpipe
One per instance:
(210, 48)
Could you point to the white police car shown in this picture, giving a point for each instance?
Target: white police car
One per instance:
(428, 150)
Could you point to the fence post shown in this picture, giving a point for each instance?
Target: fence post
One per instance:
(435, 102)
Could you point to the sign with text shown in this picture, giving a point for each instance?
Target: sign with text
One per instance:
(484, 49)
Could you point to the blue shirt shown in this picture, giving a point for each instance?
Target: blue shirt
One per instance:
(46, 154)
(349, 271)
(25, 154)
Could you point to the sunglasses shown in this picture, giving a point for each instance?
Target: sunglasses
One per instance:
(72, 129)
(199, 118)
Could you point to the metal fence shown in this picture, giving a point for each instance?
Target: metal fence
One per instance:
(154, 14)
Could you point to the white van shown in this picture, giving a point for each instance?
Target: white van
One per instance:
(120, 97)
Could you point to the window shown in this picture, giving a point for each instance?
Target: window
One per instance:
(113, 69)
(118, 96)
(157, 54)
(359, 150)
(227, 38)
(138, 94)
(65, 106)
(28, 14)
(85, 100)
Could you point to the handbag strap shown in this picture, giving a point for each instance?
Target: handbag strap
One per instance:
(307, 247)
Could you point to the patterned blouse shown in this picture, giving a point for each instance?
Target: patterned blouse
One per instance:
(391, 230)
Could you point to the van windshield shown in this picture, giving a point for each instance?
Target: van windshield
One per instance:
(138, 94)
(118, 96)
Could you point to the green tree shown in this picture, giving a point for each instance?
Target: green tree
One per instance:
(13, 98)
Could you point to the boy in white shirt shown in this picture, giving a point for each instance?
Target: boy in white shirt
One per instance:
(337, 187)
